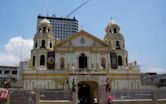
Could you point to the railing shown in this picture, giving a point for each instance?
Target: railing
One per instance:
(132, 94)
(143, 94)
(83, 71)
(22, 97)
(55, 95)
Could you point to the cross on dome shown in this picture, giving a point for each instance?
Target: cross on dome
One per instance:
(112, 21)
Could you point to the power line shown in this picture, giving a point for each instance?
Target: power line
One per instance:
(78, 8)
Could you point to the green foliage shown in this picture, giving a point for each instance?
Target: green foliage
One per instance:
(2, 83)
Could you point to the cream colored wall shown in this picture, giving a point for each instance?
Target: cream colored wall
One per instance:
(44, 84)
(88, 42)
(72, 59)
(126, 85)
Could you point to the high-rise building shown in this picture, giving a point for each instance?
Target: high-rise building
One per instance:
(61, 27)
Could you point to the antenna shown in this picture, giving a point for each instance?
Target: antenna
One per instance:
(77, 8)
(44, 3)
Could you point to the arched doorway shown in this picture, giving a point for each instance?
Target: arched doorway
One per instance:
(84, 94)
(87, 91)
(83, 61)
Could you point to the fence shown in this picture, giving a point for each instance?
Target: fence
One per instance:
(55, 95)
(143, 94)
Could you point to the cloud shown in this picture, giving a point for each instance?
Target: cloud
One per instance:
(12, 52)
(158, 70)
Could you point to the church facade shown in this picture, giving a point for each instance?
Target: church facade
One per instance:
(86, 65)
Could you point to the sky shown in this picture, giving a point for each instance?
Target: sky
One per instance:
(142, 23)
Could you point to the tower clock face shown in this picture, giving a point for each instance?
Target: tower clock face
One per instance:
(51, 60)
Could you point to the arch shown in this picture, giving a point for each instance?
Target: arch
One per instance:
(50, 44)
(42, 60)
(43, 44)
(117, 44)
(115, 31)
(36, 44)
(120, 63)
(110, 31)
(48, 30)
(40, 29)
(103, 62)
(33, 61)
(87, 91)
(62, 63)
(44, 29)
(83, 61)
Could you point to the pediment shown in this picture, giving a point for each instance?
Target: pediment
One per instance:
(82, 39)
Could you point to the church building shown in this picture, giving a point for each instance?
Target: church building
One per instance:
(88, 66)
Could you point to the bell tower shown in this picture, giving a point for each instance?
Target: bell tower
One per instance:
(44, 42)
(113, 37)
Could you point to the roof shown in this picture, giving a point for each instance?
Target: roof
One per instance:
(8, 66)
(57, 18)
(82, 32)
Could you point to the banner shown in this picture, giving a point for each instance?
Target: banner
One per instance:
(50, 60)
(113, 58)
(4, 94)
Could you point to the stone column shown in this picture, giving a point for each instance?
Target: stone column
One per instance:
(74, 98)
(102, 94)
(154, 97)
(102, 90)
(37, 96)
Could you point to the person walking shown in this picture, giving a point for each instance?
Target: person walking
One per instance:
(95, 100)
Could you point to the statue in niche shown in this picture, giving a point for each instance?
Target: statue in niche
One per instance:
(73, 85)
(108, 85)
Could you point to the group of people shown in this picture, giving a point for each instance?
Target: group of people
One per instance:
(83, 100)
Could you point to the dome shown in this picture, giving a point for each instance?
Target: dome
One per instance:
(45, 21)
(112, 25)
(112, 22)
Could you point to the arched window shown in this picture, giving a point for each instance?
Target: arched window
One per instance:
(39, 29)
(117, 45)
(83, 61)
(115, 30)
(44, 29)
(110, 31)
(43, 44)
(103, 62)
(50, 45)
(42, 60)
(120, 61)
(62, 63)
(36, 44)
(33, 61)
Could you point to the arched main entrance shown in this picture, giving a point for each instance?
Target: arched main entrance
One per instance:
(83, 61)
(87, 90)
